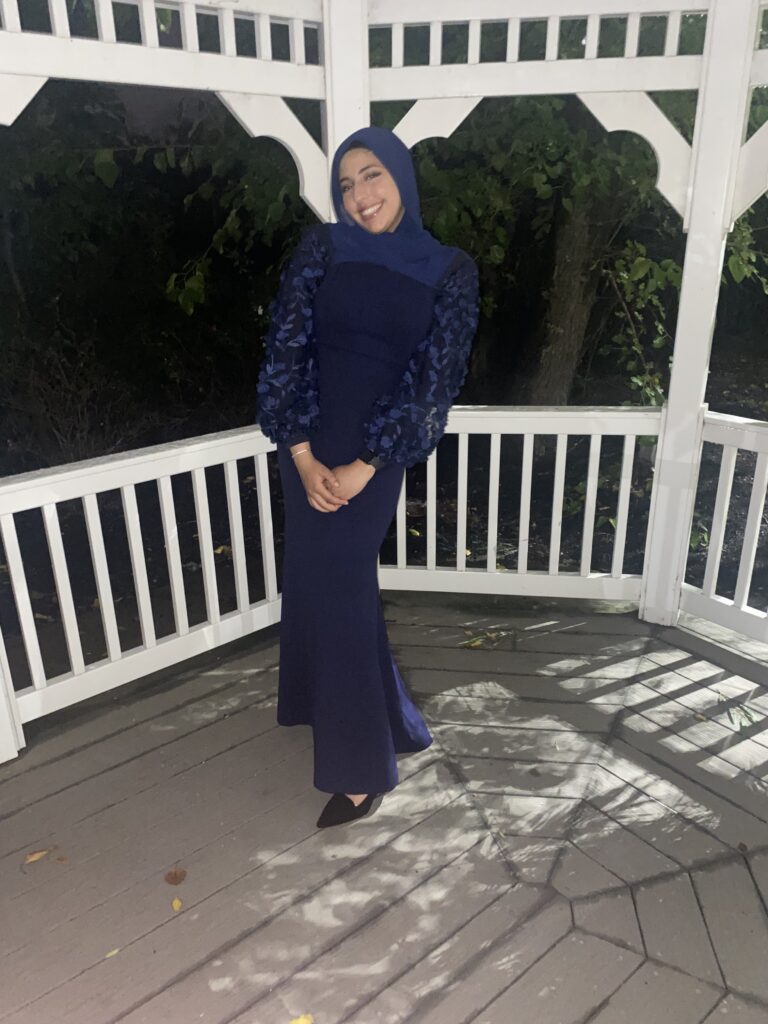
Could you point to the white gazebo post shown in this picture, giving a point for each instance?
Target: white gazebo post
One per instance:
(345, 58)
(720, 127)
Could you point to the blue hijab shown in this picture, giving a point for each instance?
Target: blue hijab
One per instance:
(410, 249)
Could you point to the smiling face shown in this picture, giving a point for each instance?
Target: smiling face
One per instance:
(369, 192)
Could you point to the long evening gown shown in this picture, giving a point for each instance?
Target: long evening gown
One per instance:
(337, 672)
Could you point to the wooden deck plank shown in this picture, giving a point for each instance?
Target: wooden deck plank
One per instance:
(127, 744)
(261, 914)
(456, 900)
(42, 821)
(107, 716)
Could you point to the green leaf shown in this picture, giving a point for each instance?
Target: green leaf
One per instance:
(496, 254)
(737, 267)
(160, 162)
(639, 268)
(105, 168)
(170, 156)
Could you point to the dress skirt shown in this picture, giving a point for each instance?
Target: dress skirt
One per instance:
(337, 673)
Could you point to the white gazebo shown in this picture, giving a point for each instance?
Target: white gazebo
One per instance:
(710, 183)
(586, 841)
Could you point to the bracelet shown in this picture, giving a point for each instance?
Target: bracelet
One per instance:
(293, 456)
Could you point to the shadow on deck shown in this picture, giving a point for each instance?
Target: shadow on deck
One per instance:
(586, 839)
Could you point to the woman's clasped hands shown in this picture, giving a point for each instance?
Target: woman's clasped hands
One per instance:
(330, 489)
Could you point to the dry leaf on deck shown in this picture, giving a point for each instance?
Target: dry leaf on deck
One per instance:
(176, 876)
(305, 1018)
(112, 952)
(176, 904)
(35, 856)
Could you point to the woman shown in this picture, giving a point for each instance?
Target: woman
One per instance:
(368, 346)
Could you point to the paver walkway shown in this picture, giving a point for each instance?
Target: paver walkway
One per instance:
(585, 841)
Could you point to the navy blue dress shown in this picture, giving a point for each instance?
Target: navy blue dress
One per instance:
(358, 358)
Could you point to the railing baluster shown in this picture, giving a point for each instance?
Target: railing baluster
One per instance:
(593, 37)
(622, 511)
(105, 21)
(633, 35)
(138, 564)
(493, 504)
(59, 18)
(266, 531)
(63, 587)
(473, 42)
(298, 55)
(237, 540)
(173, 555)
(752, 532)
(205, 540)
(23, 602)
(719, 519)
(525, 504)
(189, 37)
(435, 42)
(402, 527)
(101, 574)
(557, 505)
(398, 44)
(228, 35)
(432, 510)
(148, 22)
(590, 503)
(513, 40)
(9, 11)
(672, 39)
(553, 37)
(264, 37)
(461, 504)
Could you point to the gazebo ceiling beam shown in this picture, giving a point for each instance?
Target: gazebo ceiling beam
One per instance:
(23, 53)
(537, 78)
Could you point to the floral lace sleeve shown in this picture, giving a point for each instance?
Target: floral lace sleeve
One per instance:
(406, 426)
(287, 390)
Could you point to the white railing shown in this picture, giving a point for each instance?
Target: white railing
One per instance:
(582, 41)
(737, 603)
(239, 460)
(254, 46)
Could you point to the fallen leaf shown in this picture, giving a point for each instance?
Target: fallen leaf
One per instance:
(112, 952)
(414, 532)
(176, 904)
(36, 855)
(305, 1018)
(176, 876)
(44, 618)
(222, 549)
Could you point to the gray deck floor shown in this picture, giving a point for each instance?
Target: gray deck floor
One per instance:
(586, 840)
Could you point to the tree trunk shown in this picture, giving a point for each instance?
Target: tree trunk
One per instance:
(571, 298)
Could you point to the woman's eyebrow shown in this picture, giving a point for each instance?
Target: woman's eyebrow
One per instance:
(347, 177)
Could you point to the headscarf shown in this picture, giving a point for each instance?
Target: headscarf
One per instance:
(410, 249)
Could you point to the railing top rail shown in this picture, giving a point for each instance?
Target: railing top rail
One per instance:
(736, 431)
(39, 487)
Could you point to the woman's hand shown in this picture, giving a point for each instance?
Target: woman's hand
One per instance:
(318, 482)
(352, 478)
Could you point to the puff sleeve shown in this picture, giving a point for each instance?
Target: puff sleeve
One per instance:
(406, 425)
(287, 390)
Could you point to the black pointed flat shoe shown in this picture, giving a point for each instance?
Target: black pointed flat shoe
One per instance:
(340, 809)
